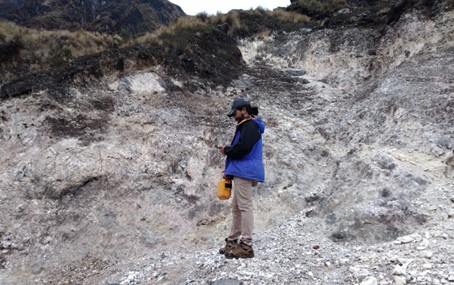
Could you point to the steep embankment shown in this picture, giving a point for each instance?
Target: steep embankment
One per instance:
(119, 17)
(115, 185)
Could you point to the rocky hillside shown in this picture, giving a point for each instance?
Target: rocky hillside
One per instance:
(109, 178)
(122, 17)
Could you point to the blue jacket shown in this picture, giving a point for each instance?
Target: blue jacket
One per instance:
(248, 163)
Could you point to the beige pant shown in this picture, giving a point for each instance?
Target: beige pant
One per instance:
(242, 211)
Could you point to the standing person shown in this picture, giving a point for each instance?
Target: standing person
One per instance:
(245, 165)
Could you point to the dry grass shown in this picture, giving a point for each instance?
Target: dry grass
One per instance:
(232, 19)
(42, 48)
(182, 26)
(34, 50)
(191, 24)
(281, 14)
(289, 17)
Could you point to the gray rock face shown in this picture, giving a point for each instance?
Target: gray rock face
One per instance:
(117, 185)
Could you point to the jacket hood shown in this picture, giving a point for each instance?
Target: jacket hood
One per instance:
(261, 124)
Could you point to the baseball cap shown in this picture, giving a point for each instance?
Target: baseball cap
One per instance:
(237, 103)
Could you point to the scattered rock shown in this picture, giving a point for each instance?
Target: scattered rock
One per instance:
(2, 260)
(399, 270)
(370, 280)
(142, 82)
(404, 239)
(344, 11)
(156, 150)
(295, 72)
(427, 254)
(226, 282)
(451, 277)
(400, 280)
(361, 274)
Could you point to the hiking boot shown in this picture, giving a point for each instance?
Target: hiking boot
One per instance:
(229, 245)
(241, 251)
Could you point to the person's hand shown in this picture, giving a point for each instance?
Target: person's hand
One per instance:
(221, 149)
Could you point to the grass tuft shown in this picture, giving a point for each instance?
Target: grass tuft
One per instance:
(23, 49)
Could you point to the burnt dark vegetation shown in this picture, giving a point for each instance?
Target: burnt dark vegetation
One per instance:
(203, 46)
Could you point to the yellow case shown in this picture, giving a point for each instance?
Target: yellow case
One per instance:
(224, 189)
